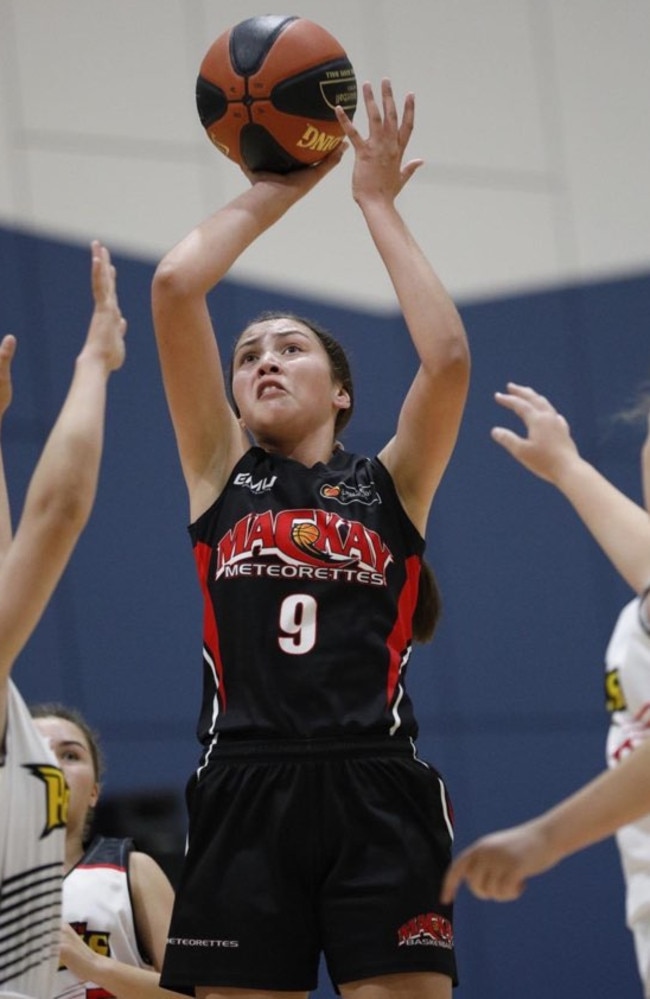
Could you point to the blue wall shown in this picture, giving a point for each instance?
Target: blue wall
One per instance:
(510, 692)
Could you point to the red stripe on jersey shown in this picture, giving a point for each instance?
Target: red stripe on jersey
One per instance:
(202, 556)
(94, 867)
(402, 632)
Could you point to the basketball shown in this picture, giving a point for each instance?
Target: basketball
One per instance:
(267, 89)
(304, 533)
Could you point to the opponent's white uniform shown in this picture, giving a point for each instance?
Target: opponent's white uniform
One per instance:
(33, 812)
(627, 662)
(97, 904)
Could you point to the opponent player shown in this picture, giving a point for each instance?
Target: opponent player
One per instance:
(57, 507)
(497, 866)
(314, 826)
(117, 901)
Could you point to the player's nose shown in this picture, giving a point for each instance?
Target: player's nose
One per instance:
(268, 362)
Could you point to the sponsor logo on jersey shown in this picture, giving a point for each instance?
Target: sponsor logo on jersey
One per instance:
(260, 486)
(303, 544)
(56, 796)
(426, 930)
(344, 493)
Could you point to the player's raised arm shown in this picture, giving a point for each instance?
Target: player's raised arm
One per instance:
(208, 436)
(430, 417)
(62, 489)
(620, 526)
(7, 351)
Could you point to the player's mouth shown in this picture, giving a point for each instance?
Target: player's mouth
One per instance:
(269, 387)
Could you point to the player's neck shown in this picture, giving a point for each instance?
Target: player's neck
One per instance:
(310, 450)
(74, 851)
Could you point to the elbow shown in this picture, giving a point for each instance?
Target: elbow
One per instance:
(65, 508)
(173, 284)
(457, 360)
(168, 282)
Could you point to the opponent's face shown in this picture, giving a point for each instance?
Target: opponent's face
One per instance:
(282, 380)
(70, 746)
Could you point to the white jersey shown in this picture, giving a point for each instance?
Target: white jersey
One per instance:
(33, 812)
(97, 904)
(627, 682)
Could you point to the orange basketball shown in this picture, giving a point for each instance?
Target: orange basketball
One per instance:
(304, 533)
(267, 89)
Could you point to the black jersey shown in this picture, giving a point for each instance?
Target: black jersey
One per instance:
(310, 579)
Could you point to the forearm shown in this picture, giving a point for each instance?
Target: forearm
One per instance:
(65, 479)
(196, 264)
(429, 312)
(5, 512)
(613, 799)
(620, 526)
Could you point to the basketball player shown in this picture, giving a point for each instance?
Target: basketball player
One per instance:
(497, 866)
(314, 825)
(57, 506)
(116, 901)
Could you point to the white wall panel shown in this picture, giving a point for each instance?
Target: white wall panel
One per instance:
(121, 201)
(111, 71)
(472, 68)
(532, 116)
(603, 60)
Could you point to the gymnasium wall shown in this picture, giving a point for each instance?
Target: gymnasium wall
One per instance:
(533, 120)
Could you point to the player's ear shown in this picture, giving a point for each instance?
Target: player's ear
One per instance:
(342, 398)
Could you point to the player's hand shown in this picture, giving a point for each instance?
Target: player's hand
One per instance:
(75, 954)
(548, 446)
(378, 170)
(108, 326)
(7, 351)
(294, 185)
(497, 866)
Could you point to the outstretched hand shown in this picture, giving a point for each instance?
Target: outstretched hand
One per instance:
(107, 326)
(7, 351)
(548, 445)
(378, 170)
(496, 867)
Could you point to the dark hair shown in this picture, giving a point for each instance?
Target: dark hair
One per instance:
(55, 710)
(428, 607)
(339, 364)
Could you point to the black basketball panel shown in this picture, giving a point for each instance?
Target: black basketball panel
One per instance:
(260, 151)
(211, 102)
(316, 92)
(251, 40)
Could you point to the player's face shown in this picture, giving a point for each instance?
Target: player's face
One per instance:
(70, 746)
(282, 380)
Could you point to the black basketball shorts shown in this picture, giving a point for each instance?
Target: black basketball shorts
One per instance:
(338, 850)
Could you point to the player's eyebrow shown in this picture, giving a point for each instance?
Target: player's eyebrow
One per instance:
(256, 337)
(66, 743)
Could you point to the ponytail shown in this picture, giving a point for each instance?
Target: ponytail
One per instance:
(428, 607)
